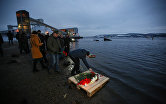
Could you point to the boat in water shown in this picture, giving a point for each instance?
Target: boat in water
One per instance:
(106, 39)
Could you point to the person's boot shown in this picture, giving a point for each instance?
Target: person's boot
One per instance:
(34, 67)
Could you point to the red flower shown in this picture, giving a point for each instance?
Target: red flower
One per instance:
(93, 74)
(84, 81)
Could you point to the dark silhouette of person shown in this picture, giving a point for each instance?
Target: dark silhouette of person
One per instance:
(10, 37)
(1, 42)
(46, 38)
(76, 55)
(18, 39)
(43, 46)
(67, 44)
(24, 43)
(62, 41)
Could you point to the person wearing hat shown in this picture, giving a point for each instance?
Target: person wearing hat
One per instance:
(35, 49)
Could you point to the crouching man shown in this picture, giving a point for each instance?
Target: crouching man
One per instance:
(76, 55)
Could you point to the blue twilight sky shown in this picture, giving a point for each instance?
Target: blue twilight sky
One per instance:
(91, 16)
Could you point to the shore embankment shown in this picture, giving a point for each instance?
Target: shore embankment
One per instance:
(19, 85)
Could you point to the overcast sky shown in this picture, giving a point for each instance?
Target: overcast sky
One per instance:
(91, 16)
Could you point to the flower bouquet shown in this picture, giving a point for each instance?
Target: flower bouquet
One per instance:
(86, 78)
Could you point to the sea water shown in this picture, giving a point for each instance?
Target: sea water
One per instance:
(136, 68)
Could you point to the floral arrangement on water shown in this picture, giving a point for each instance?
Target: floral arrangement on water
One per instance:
(86, 78)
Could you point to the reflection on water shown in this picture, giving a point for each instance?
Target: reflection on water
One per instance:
(74, 45)
(136, 67)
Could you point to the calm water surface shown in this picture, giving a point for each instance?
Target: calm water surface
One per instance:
(136, 68)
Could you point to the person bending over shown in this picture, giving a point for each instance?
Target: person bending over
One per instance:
(76, 55)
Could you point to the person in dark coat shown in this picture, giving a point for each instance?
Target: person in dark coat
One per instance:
(18, 38)
(76, 55)
(46, 38)
(43, 46)
(62, 41)
(54, 47)
(10, 37)
(67, 44)
(24, 43)
(61, 38)
(1, 42)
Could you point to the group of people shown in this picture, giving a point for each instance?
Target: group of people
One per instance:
(56, 45)
(10, 36)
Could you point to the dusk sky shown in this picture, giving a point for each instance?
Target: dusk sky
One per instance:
(92, 17)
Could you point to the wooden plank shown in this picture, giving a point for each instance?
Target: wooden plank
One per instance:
(93, 84)
(98, 85)
(97, 88)
(90, 88)
(73, 80)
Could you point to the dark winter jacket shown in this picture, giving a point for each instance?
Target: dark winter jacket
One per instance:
(53, 45)
(10, 36)
(62, 42)
(66, 41)
(42, 38)
(81, 54)
(18, 36)
(1, 39)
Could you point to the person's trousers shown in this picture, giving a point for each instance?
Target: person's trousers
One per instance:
(76, 66)
(44, 56)
(54, 61)
(10, 42)
(35, 61)
(24, 47)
